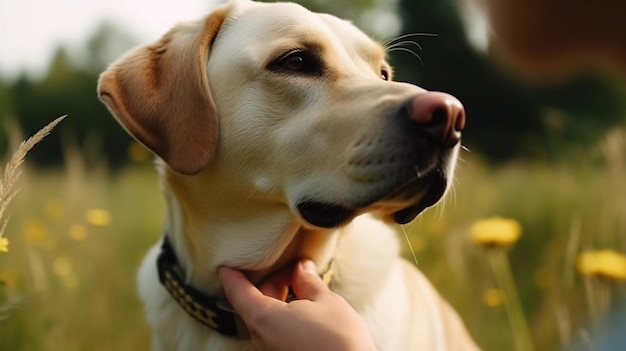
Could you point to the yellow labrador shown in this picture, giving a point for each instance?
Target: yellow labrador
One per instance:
(281, 135)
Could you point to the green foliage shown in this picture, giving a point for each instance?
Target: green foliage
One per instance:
(67, 88)
(5, 103)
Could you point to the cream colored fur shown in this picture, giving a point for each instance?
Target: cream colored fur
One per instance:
(240, 144)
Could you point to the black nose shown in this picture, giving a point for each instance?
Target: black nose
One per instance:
(440, 115)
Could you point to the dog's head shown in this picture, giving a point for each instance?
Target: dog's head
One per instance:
(295, 108)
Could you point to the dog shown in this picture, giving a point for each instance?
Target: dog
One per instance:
(279, 135)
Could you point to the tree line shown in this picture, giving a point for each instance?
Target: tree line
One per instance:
(506, 118)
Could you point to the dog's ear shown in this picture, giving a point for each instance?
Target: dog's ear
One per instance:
(160, 94)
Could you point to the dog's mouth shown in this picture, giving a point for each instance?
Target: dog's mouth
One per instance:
(401, 205)
(325, 214)
(436, 190)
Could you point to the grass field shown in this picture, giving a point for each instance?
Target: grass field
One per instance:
(76, 236)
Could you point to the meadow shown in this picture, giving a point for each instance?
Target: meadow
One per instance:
(76, 236)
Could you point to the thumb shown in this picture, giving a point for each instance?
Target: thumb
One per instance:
(307, 284)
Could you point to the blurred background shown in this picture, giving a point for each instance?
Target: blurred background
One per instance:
(547, 154)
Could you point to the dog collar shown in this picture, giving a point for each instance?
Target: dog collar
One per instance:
(214, 312)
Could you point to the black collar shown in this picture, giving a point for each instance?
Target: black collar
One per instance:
(214, 312)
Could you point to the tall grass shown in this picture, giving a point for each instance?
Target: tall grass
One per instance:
(12, 172)
(78, 234)
(564, 209)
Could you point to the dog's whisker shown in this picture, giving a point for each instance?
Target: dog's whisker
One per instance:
(460, 159)
(404, 44)
(440, 208)
(409, 51)
(406, 237)
(453, 192)
(404, 36)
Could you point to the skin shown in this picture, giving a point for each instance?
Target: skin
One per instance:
(318, 320)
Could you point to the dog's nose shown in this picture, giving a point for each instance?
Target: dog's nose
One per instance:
(440, 115)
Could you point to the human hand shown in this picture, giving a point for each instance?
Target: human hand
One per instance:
(318, 320)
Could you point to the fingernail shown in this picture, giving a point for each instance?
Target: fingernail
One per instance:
(309, 266)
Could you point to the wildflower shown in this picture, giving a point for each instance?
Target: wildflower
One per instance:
(607, 264)
(78, 232)
(496, 232)
(35, 232)
(63, 268)
(493, 297)
(138, 152)
(4, 245)
(98, 217)
(8, 282)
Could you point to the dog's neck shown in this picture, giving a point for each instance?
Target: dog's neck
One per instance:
(208, 229)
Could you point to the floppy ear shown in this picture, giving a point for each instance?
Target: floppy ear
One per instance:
(160, 94)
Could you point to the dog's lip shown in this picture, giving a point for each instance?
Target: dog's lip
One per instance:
(435, 191)
(403, 204)
(324, 214)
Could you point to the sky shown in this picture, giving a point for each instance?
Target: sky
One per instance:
(30, 30)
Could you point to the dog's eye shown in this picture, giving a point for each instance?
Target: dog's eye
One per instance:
(384, 74)
(297, 62)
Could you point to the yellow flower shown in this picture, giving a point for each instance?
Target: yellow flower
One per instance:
(493, 297)
(603, 263)
(8, 280)
(35, 232)
(137, 152)
(4, 245)
(78, 232)
(98, 217)
(63, 268)
(38, 234)
(496, 232)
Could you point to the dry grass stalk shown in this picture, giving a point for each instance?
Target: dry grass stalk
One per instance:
(12, 173)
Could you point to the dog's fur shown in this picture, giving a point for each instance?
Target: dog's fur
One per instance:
(248, 139)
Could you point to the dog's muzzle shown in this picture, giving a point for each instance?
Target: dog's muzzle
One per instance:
(410, 161)
(328, 215)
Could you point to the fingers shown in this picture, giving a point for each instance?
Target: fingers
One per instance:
(242, 295)
(246, 298)
(277, 285)
(306, 282)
